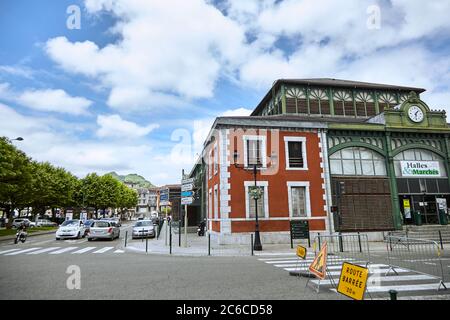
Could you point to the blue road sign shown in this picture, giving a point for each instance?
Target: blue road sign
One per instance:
(187, 193)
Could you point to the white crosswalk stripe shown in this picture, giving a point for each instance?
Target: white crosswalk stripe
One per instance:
(21, 251)
(409, 282)
(44, 250)
(103, 250)
(63, 250)
(84, 250)
(6, 251)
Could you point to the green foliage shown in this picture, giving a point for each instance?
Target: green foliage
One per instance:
(40, 185)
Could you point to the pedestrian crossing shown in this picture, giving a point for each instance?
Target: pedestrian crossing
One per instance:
(59, 250)
(407, 282)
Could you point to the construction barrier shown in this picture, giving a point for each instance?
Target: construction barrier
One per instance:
(353, 248)
(420, 255)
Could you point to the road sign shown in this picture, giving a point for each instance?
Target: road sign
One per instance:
(187, 200)
(301, 252)
(164, 203)
(353, 281)
(319, 265)
(185, 194)
(187, 187)
(186, 181)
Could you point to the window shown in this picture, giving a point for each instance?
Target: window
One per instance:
(357, 161)
(298, 194)
(216, 160)
(262, 202)
(216, 203)
(295, 149)
(210, 203)
(254, 151)
(418, 155)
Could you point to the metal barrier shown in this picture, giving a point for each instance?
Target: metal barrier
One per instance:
(420, 255)
(353, 248)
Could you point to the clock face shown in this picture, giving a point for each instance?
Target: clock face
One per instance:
(415, 114)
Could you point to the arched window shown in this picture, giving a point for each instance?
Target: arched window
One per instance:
(357, 161)
(418, 155)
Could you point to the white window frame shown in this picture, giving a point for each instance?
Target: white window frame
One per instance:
(210, 204)
(216, 202)
(216, 160)
(305, 184)
(286, 150)
(245, 138)
(264, 184)
(210, 167)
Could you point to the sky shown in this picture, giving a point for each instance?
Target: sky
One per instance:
(133, 86)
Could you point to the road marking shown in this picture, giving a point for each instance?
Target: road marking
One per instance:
(21, 251)
(371, 267)
(63, 250)
(103, 250)
(6, 251)
(275, 254)
(44, 250)
(84, 250)
(290, 259)
(362, 263)
(119, 251)
(309, 261)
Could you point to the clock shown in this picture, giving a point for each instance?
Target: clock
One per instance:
(415, 114)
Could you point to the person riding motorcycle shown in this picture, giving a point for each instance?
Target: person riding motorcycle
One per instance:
(21, 234)
(201, 228)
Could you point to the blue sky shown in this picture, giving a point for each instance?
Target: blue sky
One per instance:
(137, 87)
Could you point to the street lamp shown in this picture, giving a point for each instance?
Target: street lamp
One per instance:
(254, 194)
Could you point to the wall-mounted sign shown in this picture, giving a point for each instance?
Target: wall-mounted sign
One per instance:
(420, 169)
(407, 208)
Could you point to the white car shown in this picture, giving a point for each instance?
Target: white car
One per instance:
(71, 229)
(45, 223)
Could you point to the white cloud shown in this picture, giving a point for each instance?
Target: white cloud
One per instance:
(52, 100)
(166, 48)
(115, 126)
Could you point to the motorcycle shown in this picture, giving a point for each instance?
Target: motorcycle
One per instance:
(21, 235)
(201, 229)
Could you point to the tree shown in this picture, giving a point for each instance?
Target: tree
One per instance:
(15, 178)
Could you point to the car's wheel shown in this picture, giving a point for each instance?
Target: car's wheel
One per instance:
(90, 239)
(112, 238)
(79, 235)
(118, 235)
(57, 239)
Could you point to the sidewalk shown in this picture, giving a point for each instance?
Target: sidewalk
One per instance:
(198, 246)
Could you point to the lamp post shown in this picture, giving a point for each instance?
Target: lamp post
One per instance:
(255, 194)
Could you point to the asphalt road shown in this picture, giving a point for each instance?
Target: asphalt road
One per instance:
(106, 272)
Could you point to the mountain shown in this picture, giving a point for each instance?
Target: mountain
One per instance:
(133, 178)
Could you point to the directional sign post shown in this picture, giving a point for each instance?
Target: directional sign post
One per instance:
(187, 197)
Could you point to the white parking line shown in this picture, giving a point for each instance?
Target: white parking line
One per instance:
(6, 251)
(103, 250)
(44, 250)
(21, 251)
(84, 250)
(63, 250)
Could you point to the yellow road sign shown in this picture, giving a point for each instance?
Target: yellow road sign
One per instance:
(353, 281)
(301, 252)
(319, 265)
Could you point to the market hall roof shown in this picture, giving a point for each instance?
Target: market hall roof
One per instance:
(336, 83)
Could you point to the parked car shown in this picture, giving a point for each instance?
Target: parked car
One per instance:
(45, 223)
(74, 229)
(143, 229)
(102, 229)
(17, 222)
(87, 226)
(116, 221)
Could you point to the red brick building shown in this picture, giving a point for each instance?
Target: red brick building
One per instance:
(290, 177)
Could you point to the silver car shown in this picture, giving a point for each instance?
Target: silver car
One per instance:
(143, 229)
(103, 230)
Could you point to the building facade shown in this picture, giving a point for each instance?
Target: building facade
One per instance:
(375, 153)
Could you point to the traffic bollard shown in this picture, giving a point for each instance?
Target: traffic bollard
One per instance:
(170, 237)
(393, 294)
(251, 242)
(146, 245)
(209, 244)
(126, 237)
